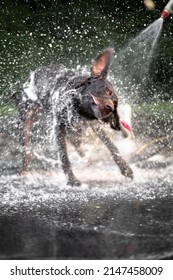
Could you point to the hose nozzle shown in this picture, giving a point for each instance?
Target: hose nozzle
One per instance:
(165, 14)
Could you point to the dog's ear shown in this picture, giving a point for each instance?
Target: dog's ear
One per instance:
(100, 65)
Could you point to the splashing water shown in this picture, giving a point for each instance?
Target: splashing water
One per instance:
(109, 207)
(133, 61)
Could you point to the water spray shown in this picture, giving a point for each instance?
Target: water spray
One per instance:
(167, 10)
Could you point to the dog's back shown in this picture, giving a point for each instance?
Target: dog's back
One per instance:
(52, 88)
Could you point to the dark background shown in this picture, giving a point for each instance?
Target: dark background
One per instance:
(35, 32)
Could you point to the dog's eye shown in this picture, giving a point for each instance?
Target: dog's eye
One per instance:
(108, 91)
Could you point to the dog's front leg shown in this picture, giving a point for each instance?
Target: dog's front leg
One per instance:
(123, 166)
(66, 165)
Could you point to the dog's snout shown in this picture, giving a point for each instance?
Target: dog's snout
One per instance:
(110, 106)
(104, 104)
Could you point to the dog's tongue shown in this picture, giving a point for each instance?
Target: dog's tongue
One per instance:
(124, 113)
(126, 126)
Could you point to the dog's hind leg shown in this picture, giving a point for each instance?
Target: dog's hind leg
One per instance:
(123, 166)
(66, 165)
(27, 125)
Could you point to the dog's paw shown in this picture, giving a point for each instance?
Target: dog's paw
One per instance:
(73, 182)
(128, 173)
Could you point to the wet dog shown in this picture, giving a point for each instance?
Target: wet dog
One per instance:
(76, 100)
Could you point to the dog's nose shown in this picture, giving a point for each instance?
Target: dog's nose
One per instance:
(110, 106)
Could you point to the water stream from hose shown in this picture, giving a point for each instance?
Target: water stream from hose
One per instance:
(132, 63)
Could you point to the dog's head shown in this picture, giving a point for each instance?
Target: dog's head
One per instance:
(98, 97)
